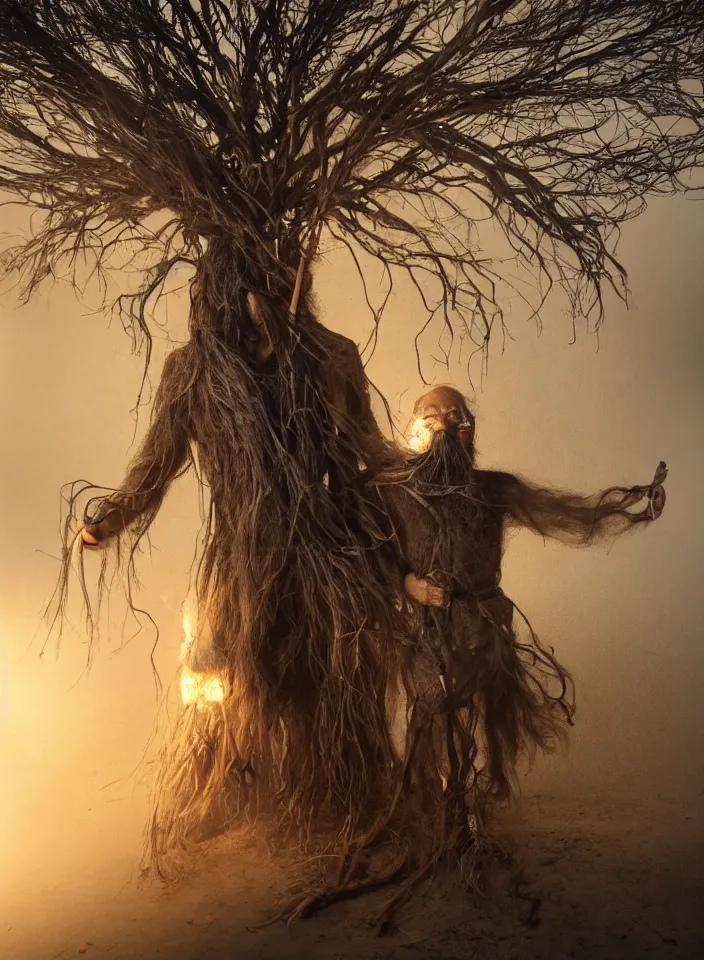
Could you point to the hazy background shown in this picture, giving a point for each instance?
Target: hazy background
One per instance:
(627, 620)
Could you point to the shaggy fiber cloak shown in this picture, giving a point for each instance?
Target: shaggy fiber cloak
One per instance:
(479, 692)
(293, 587)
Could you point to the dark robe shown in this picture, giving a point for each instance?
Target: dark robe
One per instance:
(478, 662)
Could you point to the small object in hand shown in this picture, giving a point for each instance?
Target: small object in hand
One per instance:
(660, 473)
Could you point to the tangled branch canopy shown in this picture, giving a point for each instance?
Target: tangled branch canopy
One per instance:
(396, 125)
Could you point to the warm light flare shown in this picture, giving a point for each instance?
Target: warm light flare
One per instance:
(420, 437)
(212, 689)
(201, 688)
(197, 688)
(189, 686)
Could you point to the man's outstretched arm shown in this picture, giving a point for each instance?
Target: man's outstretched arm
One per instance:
(576, 519)
(161, 457)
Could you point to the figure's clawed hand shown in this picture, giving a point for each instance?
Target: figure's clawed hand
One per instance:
(90, 536)
(425, 592)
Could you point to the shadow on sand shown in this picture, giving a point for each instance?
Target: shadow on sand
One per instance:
(617, 883)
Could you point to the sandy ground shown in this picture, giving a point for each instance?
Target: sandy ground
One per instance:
(611, 881)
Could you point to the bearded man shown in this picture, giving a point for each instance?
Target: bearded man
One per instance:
(479, 693)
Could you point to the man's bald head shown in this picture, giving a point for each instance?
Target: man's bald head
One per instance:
(440, 397)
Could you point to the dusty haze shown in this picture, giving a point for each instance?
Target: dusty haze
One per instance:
(627, 621)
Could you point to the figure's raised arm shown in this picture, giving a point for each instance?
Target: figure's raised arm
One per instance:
(161, 457)
(579, 519)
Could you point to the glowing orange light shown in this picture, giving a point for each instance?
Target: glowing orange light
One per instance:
(189, 686)
(420, 437)
(201, 688)
(212, 689)
(197, 688)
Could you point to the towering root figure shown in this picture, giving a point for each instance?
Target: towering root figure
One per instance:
(292, 564)
(479, 693)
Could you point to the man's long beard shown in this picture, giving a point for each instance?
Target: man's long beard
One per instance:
(448, 461)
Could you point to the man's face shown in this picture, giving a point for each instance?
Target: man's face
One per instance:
(442, 409)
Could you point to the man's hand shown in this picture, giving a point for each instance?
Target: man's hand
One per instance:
(657, 500)
(656, 493)
(655, 496)
(424, 592)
